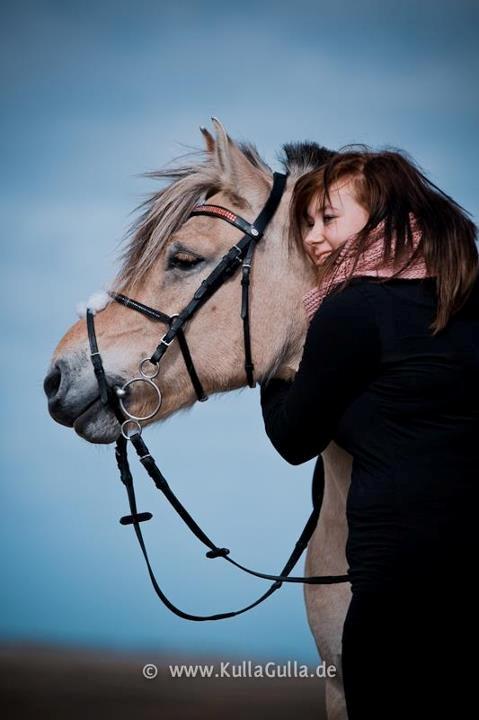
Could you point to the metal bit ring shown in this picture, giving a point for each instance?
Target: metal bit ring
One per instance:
(140, 418)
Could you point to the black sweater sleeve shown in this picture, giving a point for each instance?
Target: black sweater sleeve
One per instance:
(340, 356)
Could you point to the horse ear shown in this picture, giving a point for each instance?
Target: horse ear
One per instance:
(238, 171)
(223, 146)
(209, 140)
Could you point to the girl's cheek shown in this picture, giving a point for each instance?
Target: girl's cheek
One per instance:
(333, 238)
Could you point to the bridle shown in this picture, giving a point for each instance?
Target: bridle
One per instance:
(241, 253)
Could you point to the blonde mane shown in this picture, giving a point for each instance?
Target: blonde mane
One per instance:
(165, 211)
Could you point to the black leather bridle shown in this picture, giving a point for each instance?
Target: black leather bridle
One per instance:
(112, 398)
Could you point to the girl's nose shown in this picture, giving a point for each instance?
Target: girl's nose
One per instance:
(313, 237)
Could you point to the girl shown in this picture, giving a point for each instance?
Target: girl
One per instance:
(390, 372)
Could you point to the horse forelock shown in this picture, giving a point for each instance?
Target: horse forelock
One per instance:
(165, 211)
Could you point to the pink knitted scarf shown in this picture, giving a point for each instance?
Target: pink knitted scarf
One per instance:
(368, 264)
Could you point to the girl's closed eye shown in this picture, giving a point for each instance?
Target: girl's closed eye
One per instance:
(327, 218)
(307, 222)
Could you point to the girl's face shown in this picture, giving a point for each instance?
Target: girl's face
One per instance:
(328, 228)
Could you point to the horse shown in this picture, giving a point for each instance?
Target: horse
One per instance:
(168, 255)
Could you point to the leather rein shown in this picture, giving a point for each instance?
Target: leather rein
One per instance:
(112, 398)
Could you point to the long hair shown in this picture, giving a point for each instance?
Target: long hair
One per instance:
(390, 186)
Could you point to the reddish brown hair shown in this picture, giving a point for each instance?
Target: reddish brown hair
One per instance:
(390, 186)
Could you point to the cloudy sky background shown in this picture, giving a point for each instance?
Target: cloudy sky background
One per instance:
(95, 93)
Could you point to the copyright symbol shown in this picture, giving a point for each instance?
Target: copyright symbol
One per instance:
(150, 671)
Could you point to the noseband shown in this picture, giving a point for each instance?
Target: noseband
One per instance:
(113, 398)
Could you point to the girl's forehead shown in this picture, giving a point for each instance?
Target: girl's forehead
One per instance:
(340, 188)
(338, 192)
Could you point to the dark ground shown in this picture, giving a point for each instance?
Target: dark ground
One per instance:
(42, 682)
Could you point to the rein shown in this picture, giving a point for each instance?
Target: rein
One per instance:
(131, 429)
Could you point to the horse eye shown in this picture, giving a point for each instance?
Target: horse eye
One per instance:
(182, 261)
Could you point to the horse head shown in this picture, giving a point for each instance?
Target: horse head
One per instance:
(170, 253)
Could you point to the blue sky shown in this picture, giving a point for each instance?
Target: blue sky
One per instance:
(95, 93)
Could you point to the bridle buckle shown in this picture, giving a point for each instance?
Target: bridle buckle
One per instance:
(163, 341)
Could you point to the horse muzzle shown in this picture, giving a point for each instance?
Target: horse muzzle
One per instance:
(74, 401)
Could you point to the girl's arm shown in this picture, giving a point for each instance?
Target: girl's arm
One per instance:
(340, 357)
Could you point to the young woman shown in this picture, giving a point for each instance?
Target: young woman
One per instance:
(390, 372)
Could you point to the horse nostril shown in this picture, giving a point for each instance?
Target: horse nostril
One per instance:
(52, 382)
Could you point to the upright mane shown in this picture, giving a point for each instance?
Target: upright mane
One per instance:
(302, 157)
(165, 211)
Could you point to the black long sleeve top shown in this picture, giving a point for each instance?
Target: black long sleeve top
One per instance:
(406, 406)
